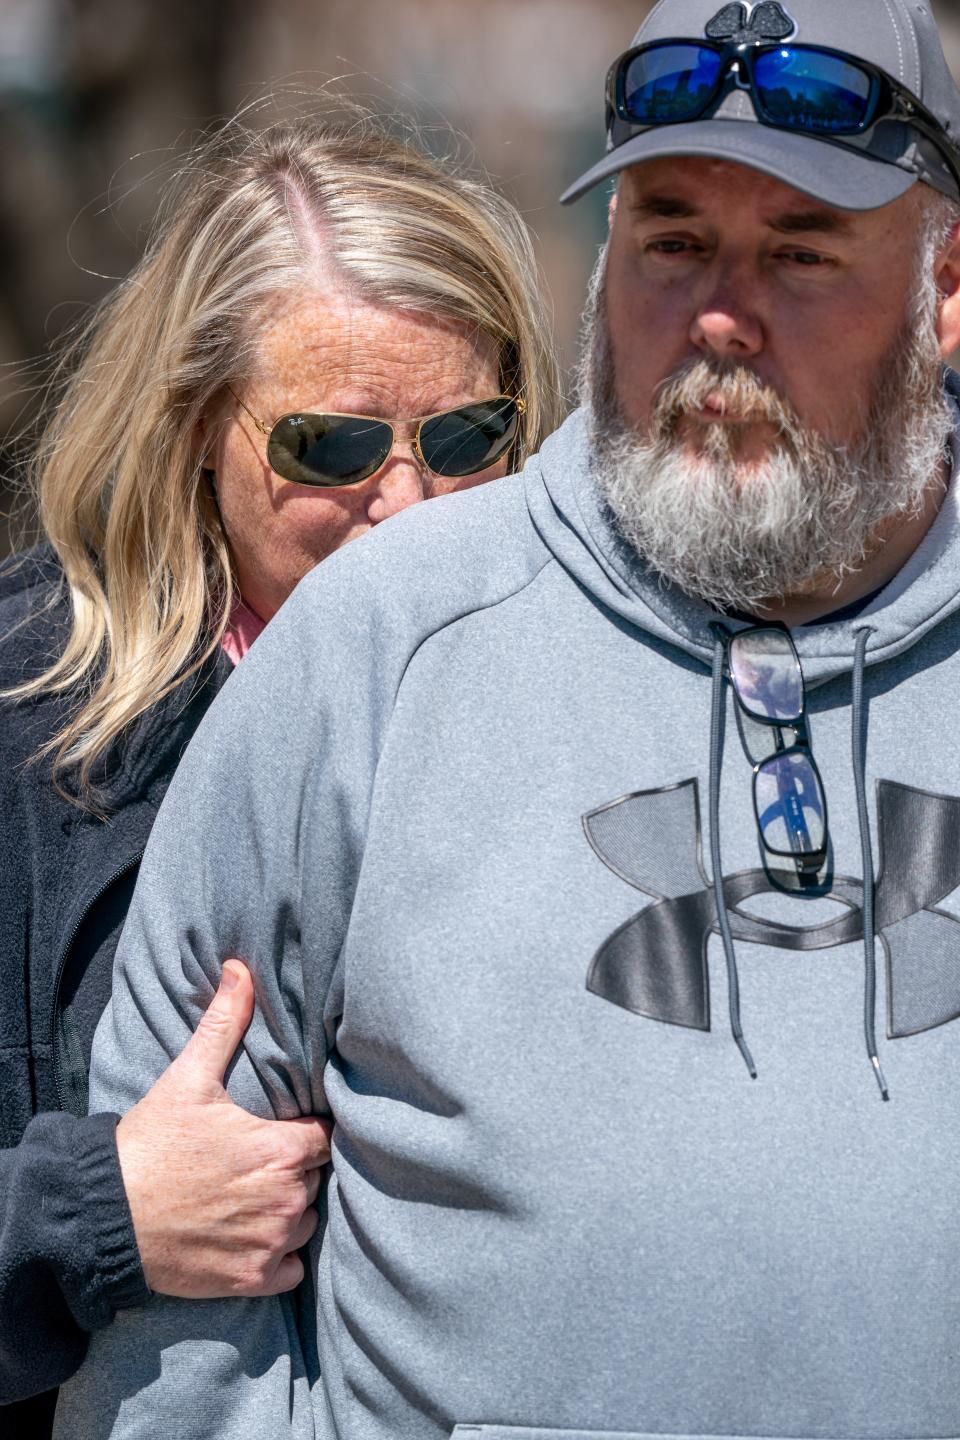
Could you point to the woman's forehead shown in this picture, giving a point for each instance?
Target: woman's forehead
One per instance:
(321, 348)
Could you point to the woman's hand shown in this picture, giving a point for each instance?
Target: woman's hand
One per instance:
(221, 1201)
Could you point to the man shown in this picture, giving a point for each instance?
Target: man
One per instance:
(469, 809)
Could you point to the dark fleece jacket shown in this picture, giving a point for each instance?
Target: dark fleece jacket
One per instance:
(68, 1257)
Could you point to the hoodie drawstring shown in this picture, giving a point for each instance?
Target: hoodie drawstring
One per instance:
(716, 765)
(866, 847)
(717, 718)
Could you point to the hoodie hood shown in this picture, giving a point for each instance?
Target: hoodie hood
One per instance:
(578, 528)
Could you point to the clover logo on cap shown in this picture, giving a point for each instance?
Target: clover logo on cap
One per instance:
(742, 23)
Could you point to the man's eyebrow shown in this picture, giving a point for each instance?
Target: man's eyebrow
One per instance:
(795, 222)
(807, 222)
(663, 207)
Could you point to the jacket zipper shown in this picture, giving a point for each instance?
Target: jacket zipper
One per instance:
(62, 965)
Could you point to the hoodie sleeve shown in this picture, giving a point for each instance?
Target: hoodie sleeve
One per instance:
(68, 1256)
(253, 854)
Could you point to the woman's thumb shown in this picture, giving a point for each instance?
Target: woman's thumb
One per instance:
(211, 1048)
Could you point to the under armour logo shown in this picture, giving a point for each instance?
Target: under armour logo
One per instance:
(742, 23)
(656, 963)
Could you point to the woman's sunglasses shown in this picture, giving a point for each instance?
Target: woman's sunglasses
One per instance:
(805, 88)
(332, 450)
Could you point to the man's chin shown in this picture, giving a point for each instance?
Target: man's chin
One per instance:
(708, 451)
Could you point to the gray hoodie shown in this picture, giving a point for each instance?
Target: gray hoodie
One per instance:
(456, 809)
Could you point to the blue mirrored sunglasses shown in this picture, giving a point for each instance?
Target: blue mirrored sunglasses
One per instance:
(804, 88)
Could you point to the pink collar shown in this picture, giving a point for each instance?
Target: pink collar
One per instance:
(244, 627)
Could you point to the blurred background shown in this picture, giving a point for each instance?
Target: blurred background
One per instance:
(97, 97)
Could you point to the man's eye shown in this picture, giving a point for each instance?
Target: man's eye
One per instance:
(806, 257)
(671, 247)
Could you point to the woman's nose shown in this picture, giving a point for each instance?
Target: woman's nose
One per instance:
(401, 482)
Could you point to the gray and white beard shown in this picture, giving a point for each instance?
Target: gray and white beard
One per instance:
(736, 534)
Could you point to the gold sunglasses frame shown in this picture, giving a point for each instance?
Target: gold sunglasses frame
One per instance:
(394, 425)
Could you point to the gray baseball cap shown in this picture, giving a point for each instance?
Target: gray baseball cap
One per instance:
(858, 172)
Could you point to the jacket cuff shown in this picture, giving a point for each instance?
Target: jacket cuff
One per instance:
(117, 1281)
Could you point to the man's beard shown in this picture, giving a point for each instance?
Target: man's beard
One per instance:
(736, 534)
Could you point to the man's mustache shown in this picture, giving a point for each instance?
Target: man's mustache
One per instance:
(738, 391)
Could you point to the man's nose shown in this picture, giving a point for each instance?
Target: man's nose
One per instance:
(400, 483)
(726, 325)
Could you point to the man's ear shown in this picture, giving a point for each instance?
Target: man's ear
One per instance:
(948, 284)
(612, 208)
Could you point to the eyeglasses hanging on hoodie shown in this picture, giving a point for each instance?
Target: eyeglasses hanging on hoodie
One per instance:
(788, 796)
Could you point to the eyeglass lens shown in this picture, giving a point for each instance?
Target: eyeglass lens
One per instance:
(461, 442)
(809, 90)
(328, 449)
(669, 82)
(790, 805)
(766, 675)
(796, 87)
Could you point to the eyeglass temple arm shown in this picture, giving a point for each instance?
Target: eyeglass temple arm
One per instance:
(936, 138)
(911, 111)
(264, 429)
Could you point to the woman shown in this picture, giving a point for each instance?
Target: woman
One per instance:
(326, 328)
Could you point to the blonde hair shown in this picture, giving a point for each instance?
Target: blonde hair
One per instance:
(117, 477)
